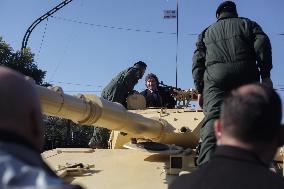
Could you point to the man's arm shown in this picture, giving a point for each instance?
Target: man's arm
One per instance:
(198, 67)
(262, 48)
(131, 78)
(198, 64)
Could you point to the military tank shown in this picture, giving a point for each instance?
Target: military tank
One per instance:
(148, 147)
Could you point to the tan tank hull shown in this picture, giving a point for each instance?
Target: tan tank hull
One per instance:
(117, 167)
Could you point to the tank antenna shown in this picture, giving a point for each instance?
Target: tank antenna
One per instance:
(177, 51)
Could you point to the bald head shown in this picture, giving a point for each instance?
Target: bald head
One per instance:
(19, 107)
(251, 89)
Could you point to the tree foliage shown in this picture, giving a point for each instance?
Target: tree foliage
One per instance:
(20, 61)
(58, 132)
(65, 133)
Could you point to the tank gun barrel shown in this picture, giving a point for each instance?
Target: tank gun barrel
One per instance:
(92, 110)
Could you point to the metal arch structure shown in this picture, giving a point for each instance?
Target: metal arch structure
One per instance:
(40, 19)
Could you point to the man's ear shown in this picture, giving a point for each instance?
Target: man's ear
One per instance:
(217, 130)
(217, 15)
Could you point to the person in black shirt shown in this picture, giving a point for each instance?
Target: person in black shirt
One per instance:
(155, 95)
(151, 94)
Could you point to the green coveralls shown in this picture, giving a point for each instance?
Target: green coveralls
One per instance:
(231, 52)
(120, 86)
(116, 91)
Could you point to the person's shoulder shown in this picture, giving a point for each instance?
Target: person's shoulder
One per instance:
(144, 92)
(5, 158)
(132, 70)
(273, 179)
(190, 180)
(202, 33)
(245, 19)
(18, 174)
(193, 179)
(161, 89)
(125, 70)
(132, 73)
(181, 182)
(267, 178)
(249, 21)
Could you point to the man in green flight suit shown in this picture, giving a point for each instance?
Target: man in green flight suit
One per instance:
(229, 53)
(120, 86)
(117, 91)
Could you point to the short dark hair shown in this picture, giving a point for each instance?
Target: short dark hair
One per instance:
(151, 75)
(227, 6)
(140, 64)
(254, 117)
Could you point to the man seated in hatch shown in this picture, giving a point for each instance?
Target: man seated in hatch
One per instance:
(155, 95)
(151, 94)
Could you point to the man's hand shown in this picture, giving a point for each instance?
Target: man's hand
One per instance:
(200, 100)
(267, 82)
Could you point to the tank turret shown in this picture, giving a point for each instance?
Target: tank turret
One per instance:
(92, 110)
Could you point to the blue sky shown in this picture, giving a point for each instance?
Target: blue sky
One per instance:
(84, 57)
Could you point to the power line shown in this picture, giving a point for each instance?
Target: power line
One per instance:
(42, 40)
(113, 27)
(82, 91)
(76, 84)
(124, 28)
(63, 55)
(277, 86)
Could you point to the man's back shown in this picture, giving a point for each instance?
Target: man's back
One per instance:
(231, 43)
(229, 50)
(230, 40)
(232, 168)
(119, 87)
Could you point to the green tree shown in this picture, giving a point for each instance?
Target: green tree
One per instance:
(65, 133)
(20, 61)
(58, 132)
